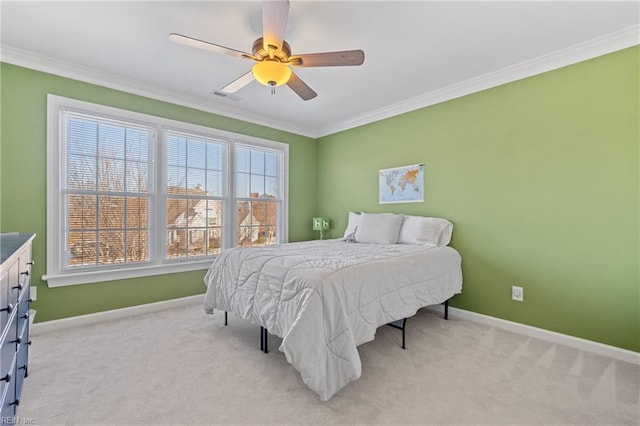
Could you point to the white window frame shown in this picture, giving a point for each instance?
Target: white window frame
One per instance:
(57, 276)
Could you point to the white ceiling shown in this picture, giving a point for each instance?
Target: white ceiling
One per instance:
(417, 53)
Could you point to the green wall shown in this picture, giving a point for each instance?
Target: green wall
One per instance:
(540, 177)
(23, 185)
(541, 180)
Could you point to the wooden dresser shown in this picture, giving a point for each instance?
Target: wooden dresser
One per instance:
(15, 277)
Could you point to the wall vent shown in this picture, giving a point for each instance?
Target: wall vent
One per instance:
(225, 95)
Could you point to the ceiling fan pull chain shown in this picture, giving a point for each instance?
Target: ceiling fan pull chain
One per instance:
(273, 90)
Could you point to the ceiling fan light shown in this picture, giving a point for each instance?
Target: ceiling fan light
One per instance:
(271, 73)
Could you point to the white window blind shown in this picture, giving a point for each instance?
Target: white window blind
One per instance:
(106, 191)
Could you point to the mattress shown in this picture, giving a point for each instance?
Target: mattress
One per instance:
(324, 298)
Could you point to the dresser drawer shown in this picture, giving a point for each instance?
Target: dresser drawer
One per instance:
(8, 346)
(22, 341)
(7, 401)
(24, 274)
(23, 310)
(20, 290)
(4, 296)
(23, 336)
(22, 358)
(10, 279)
(14, 281)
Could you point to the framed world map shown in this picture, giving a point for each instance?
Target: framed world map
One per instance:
(402, 184)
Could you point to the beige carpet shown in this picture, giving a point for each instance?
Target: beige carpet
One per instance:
(181, 367)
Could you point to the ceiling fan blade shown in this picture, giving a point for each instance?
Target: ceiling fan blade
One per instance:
(238, 83)
(205, 45)
(274, 22)
(328, 59)
(300, 87)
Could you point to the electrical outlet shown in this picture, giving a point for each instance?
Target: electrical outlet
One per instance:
(33, 293)
(517, 293)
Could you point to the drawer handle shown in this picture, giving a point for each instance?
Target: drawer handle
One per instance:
(6, 378)
(25, 316)
(18, 341)
(19, 286)
(25, 273)
(33, 262)
(9, 308)
(29, 343)
(24, 367)
(16, 402)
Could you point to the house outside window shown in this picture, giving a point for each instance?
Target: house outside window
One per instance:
(132, 195)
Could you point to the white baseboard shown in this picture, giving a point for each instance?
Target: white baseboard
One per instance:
(80, 320)
(540, 333)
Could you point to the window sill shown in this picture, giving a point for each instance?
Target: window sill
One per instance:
(90, 277)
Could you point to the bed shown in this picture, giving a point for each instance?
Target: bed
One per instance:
(325, 298)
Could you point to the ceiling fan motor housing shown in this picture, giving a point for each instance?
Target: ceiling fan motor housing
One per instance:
(261, 53)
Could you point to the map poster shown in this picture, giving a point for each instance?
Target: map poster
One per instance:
(402, 184)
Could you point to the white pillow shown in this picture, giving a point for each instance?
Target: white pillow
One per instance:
(354, 218)
(429, 231)
(382, 228)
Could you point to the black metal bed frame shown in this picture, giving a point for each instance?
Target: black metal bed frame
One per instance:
(264, 347)
(396, 324)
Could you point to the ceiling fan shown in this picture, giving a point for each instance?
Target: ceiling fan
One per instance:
(272, 54)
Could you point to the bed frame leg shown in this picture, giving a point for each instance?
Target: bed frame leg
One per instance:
(446, 309)
(266, 345)
(263, 340)
(225, 318)
(404, 327)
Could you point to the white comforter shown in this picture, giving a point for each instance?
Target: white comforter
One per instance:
(324, 298)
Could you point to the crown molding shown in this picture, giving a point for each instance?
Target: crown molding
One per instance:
(599, 46)
(50, 65)
(593, 48)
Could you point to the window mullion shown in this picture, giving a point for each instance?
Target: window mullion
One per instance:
(97, 186)
(97, 227)
(63, 219)
(187, 234)
(231, 221)
(158, 225)
(125, 187)
(126, 225)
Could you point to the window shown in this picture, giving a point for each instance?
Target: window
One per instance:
(196, 198)
(105, 191)
(257, 196)
(131, 195)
